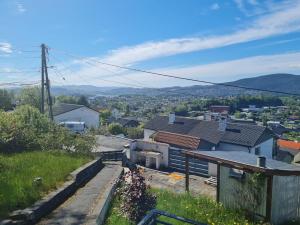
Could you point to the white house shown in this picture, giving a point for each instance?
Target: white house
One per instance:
(63, 112)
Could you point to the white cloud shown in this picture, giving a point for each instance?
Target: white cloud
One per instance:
(20, 7)
(278, 23)
(215, 72)
(5, 47)
(215, 6)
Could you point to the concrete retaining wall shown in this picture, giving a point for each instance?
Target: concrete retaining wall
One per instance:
(41, 208)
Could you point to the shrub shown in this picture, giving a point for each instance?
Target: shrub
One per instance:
(26, 128)
(115, 128)
(135, 132)
(135, 196)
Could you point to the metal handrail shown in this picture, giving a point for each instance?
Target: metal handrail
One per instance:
(151, 218)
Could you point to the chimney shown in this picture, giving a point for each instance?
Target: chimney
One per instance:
(222, 124)
(171, 118)
(261, 161)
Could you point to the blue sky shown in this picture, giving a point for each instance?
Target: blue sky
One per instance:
(216, 41)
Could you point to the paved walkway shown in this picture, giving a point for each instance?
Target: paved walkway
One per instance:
(176, 182)
(78, 208)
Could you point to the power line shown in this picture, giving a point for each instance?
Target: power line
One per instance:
(177, 77)
(125, 83)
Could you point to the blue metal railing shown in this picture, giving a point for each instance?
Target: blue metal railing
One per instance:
(152, 218)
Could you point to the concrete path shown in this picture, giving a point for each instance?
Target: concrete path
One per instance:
(77, 209)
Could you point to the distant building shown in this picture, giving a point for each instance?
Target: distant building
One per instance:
(63, 112)
(220, 109)
(287, 150)
(252, 108)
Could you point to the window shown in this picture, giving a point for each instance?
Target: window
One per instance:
(257, 151)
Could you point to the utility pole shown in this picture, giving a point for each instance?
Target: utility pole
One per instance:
(46, 82)
(42, 79)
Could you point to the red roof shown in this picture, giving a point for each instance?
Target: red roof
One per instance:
(185, 141)
(288, 144)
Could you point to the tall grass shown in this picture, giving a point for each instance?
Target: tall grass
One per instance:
(17, 172)
(200, 208)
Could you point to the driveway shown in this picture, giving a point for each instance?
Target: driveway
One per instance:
(176, 182)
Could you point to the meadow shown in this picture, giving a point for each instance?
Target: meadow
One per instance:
(18, 172)
(199, 208)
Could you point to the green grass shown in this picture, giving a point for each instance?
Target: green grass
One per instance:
(201, 209)
(17, 172)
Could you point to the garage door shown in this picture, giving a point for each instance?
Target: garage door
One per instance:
(196, 166)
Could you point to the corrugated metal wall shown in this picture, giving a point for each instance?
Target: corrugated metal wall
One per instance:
(228, 194)
(196, 166)
(285, 198)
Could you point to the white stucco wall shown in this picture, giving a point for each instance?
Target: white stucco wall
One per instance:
(147, 134)
(83, 114)
(150, 146)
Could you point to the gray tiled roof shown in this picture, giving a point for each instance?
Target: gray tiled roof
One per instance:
(248, 159)
(240, 134)
(61, 108)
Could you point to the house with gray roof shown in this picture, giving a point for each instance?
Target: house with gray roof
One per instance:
(63, 112)
(210, 135)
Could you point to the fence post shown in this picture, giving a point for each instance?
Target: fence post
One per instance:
(187, 168)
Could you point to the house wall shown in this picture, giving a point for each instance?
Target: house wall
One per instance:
(285, 199)
(83, 114)
(266, 148)
(152, 146)
(147, 134)
(229, 192)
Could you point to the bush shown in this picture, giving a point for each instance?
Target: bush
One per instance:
(115, 128)
(135, 132)
(26, 128)
(135, 197)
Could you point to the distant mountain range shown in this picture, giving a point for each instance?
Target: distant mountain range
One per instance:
(275, 82)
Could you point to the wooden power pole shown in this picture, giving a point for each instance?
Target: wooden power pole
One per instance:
(45, 83)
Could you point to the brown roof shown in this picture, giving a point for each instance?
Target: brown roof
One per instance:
(178, 140)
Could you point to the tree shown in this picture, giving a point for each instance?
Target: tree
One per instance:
(115, 128)
(27, 129)
(181, 110)
(5, 100)
(104, 115)
(31, 96)
(66, 99)
(83, 101)
(135, 132)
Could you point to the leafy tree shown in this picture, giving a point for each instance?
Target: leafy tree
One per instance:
(115, 128)
(104, 115)
(5, 99)
(135, 132)
(181, 110)
(31, 96)
(66, 99)
(83, 101)
(27, 129)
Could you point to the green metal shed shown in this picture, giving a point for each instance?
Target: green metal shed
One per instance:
(267, 188)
